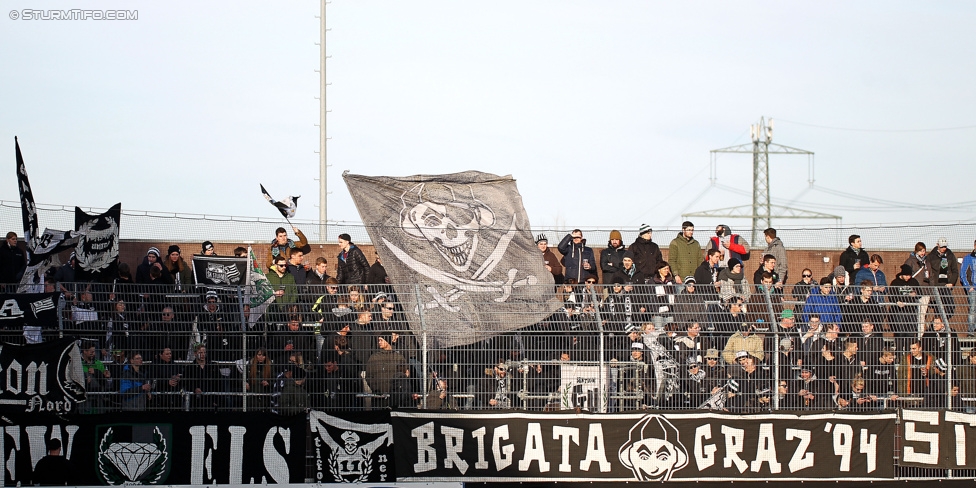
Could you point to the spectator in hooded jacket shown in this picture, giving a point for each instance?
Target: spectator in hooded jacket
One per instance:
(549, 259)
(945, 274)
(646, 252)
(733, 246)
(352, 266)
(684, 252)
(822, 303)
(612, 256)
(578, 259)
(968, 277)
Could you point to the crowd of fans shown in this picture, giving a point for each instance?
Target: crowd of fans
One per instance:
(717, 326)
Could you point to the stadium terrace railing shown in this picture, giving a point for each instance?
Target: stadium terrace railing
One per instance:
(605, 348)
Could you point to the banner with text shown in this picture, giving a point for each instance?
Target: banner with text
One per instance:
(41, 378)
(514, 447)
(159, 448)
(938, 439)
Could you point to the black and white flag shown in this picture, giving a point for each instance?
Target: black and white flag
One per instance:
(97, 250)
(42, 249)
(49, 377)
(465, 239)
(28, 210)
(287, 207)
(42, 254)
(219, 270)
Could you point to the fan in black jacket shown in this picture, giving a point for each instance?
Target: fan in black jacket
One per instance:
(352, 267)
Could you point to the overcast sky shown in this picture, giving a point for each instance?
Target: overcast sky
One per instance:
(603, 111)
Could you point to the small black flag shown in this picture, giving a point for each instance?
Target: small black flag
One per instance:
(287, 207)
(27, 208)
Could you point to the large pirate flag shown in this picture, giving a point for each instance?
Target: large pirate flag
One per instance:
(465, 239)
(97, 250)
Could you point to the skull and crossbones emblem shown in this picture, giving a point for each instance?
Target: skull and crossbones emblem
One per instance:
(451, 222)
(433, 212)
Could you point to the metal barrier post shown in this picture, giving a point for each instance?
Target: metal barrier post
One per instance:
(940, 306)
(423, 346)
(240, 306)
(774, 327)
(604, 396)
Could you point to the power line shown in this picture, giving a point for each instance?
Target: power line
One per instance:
(939, 129)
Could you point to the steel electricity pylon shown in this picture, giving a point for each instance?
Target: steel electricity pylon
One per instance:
(761, 212)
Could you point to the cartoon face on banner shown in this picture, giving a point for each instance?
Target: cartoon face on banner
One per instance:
(98, 246)
(653, 451)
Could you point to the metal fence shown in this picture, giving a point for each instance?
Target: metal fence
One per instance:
(609, 348)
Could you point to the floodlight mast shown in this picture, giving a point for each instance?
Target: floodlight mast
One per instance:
(323, 133)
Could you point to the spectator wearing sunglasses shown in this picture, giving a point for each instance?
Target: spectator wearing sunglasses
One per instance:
(284, 286)
(803, 288)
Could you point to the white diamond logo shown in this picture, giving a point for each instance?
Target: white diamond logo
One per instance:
(133, 458)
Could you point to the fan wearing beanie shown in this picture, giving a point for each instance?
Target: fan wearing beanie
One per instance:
(612, 257)
(181, 272)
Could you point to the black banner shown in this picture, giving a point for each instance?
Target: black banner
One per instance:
(159, 448)
(28, 210)
(937, 439)
(354, 447)
(33, 309)
(97, 250)
(219, 271)
(512, 447)
(41, 378)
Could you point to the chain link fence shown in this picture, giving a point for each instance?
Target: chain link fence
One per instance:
(610, 348)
